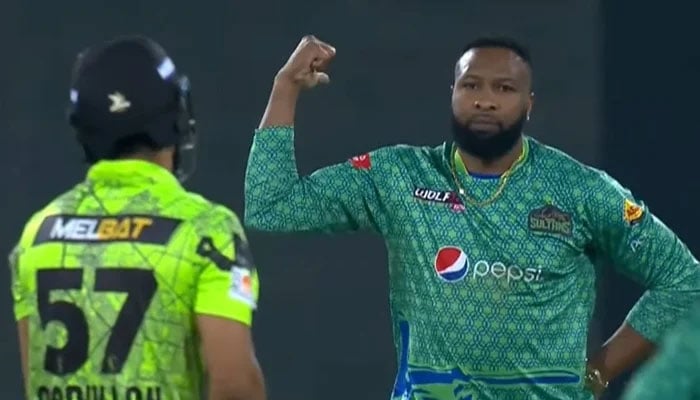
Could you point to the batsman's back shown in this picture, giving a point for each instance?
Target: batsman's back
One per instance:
(108, 276)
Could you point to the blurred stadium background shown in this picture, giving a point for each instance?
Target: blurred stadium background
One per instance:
(617, 87)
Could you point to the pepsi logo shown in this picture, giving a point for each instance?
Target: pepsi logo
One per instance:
(451, 263)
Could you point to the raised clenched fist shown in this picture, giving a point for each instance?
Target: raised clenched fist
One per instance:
(306, 67)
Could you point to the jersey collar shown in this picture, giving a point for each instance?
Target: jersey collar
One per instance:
(131, 172)
(457, 161)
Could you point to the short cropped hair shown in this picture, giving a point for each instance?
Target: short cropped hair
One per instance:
(500, 42)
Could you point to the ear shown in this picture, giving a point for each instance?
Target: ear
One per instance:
(531, 103)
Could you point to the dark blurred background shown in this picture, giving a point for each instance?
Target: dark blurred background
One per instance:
(616, 84)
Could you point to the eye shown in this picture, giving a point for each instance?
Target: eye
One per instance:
(506, 88)
(469, 85)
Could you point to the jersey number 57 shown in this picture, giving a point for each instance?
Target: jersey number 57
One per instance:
(139, 285)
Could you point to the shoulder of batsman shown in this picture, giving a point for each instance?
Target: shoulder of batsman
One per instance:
(69, 200)
(207, 216)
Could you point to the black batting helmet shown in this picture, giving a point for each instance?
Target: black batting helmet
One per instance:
(127, 87)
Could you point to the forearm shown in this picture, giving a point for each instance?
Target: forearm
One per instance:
(281, 106)
(253, 390)
(662, 306)
(673, 371)
(271, 172)
(666, 376)
(625, 349)
(248, 384)
(23, 332)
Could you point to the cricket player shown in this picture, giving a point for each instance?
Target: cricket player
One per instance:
(128, 287)
(493, 237)
(674, 372)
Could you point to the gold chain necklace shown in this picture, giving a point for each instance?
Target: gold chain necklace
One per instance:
(501, 186)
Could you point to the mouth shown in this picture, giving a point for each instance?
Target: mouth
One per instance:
(484, 120)
(486, 125)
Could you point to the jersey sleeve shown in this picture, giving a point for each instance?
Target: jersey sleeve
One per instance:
(336, 198)
(673, 372)
(642, 247)
(22, 285)
(23, 306)
(228, 284)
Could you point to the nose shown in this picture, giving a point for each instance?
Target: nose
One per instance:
(485, 105)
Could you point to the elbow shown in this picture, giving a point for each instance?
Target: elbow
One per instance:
(255, 212)
(251, 212)
(242, 386)
(253, 217)
(263, 216)
(690, 283)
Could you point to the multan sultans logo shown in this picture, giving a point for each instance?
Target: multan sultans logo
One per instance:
(550, 219)
(451, 199)
(632, 213)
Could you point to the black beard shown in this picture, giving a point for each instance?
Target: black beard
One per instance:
(487, 147)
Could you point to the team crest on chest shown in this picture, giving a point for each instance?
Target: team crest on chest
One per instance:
(550, 219)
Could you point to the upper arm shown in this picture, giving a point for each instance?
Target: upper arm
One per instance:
(636, 241)
(342, 197)
(23, 306)
(229, 356)
(227, 294)
(23, 294)
(22, 269)
(23, 338)
(228, 284)
(646, 250)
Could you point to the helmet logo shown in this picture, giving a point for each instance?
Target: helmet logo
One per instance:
(119, 103)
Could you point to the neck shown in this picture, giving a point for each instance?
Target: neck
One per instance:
(164, 158)
(496, 166)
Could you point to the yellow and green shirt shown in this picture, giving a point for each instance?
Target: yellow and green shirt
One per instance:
(110, 276)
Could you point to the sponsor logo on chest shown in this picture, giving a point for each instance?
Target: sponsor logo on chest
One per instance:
(449, 198)
(452, 265)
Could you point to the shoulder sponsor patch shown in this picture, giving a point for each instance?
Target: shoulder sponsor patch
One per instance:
(550, 219)
(632, 212)
(241, 267)
(363, 161)
(104, 229)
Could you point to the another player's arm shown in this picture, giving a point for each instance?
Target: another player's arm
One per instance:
(23, 308)
(227, 293)
(647, 251)
(23, 335)
(673, 372)
(335, 198)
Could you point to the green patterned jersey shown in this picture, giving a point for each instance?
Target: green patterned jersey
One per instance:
(493, 300)
(674, 373)
(110, 277)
